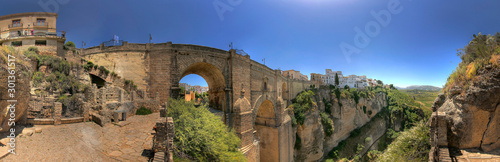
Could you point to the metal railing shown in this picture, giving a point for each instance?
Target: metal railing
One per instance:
(25, 32)
(16, 25)
(41, 24)
(113, 43)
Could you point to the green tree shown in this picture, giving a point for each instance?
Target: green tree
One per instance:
(336, 79)
(70, 44)
(379, 82)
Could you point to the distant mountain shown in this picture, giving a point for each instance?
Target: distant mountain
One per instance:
(422, 87)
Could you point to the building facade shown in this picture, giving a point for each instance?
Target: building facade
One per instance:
(292, 74)
(24, 30)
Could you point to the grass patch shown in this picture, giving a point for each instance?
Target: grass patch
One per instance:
(143, 111)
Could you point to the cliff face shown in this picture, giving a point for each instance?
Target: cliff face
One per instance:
(315, 144)
(469, 119)
(21, 87)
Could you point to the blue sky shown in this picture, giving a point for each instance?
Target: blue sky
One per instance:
(416, 47)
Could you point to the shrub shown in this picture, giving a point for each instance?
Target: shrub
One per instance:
(143, 111)
(298, 142)
(34, 49)
(37, 78)
(328, 107)
(368, 139)
(70, 44)
(202, 135)
(412, 145)
(327, 123)
(304, 102)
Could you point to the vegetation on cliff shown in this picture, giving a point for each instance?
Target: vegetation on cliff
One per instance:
(402, 113)
(60, 77)
(411, 145)
(482, 51)
(201, 135)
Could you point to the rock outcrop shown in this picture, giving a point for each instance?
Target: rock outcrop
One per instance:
(470, 118)
(21, 87)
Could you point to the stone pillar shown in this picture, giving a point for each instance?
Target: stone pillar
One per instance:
(103, 96)
(86, 108)
(442, 129)
(121, 96)
(57, 113)
(170, 139)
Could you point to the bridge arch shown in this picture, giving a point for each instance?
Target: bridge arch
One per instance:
(267, 132)
(215, 80)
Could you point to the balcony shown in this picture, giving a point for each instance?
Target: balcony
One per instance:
(26, 33)
(14, 26)
(40, 25)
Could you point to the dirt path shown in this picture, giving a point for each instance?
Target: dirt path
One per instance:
(88, 141)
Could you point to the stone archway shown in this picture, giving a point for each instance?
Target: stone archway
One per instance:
(267, 132)
(215, 80)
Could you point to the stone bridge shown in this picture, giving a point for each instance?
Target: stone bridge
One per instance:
(252, 96)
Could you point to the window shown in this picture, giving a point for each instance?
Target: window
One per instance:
(40, 42)
(40, 22)
(16, 23)
(17, 43)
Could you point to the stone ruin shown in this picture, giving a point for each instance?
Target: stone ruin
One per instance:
(163, 142)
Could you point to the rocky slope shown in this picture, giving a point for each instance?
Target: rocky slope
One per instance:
(315, 145)
(472, 118)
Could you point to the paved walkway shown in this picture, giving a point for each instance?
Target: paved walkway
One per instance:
(473, 155)
(125, 141)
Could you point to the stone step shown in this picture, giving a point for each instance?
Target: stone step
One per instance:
(159, 157)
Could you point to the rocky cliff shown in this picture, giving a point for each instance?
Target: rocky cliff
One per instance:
(469, 118)
(21, 86)
(347, 116)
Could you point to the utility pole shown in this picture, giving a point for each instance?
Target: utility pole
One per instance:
(150, 38)
(83, 44)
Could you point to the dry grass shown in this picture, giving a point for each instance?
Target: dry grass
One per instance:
(494, 60)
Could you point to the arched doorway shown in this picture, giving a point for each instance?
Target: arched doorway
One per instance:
(267, 132)
(215, 81)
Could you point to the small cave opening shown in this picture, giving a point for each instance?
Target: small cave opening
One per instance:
(99, 82)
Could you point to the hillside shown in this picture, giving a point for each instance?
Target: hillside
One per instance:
(420, 87)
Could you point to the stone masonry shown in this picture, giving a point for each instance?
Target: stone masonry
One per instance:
(158, 68)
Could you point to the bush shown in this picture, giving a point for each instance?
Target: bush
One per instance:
(474, 56)
(298, 142)
(143, 111)
(70, 44)
(368, 139)
(34, 49)
(37, 78)
(304, 102)
(202, 135)
(327, 123)
(412, 145)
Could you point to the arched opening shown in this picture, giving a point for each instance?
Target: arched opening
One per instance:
(214, 80)
(99, 82)
(267, 132)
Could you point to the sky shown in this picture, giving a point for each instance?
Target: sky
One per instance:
(417, 45)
